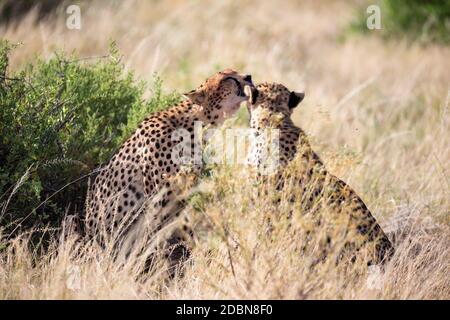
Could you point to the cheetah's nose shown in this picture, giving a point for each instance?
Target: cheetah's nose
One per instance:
(248, 78)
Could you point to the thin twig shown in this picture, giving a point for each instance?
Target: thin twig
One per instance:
(11, 79)
(52, 195)
(229, 255)
(88, 58)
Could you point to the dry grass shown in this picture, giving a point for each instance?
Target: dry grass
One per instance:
(377, 113)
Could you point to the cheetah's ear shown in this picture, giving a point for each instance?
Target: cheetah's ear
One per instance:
(197, 96)
(295, 98)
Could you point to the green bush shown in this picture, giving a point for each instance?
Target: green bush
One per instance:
(421, 20)
(59, 120)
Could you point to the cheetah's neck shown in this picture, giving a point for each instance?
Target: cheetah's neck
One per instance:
(293, 142)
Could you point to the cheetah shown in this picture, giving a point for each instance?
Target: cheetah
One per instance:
(274, 100)
(144, 171)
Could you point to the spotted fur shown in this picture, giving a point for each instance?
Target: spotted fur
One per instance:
(273, 107)
(143, 172)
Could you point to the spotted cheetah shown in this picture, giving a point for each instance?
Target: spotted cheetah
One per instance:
(144, 170)
(272, 107)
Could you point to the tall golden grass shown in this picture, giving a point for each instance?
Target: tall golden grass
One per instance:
(376, 111)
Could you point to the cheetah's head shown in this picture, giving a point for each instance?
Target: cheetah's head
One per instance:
(271, 99)
(221, 95)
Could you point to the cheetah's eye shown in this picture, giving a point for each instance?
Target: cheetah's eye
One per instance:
(238, 84)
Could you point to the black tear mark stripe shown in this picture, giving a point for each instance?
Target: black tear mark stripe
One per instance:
(237, 83)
